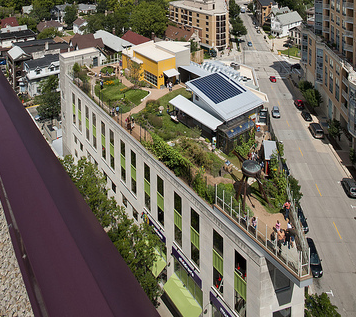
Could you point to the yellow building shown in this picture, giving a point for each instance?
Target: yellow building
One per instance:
(159, 61)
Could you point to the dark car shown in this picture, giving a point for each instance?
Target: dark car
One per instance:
(249, 43)
(296, 66)
(307, 116)
(302, 219)
(315, 262)
(349, 186)
(299, 104)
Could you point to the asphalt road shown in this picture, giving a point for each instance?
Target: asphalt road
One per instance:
(329, 211)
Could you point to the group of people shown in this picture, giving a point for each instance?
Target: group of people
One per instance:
(283, 236)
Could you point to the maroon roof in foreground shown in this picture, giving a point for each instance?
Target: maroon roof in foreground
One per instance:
(134, 38)
(10, 21)
(68, 255)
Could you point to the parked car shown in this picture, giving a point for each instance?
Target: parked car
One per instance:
(307, 116)
(38, 118)
(315, 261)
(275, 112)
(287, 45)
(262, 117)
(296, 66)
(258, 31)
(273, 79)
(249, 43)
(302, 219)
(299, 104)
(316, 130)
(349, 186)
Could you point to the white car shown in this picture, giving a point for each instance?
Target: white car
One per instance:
(275, 112)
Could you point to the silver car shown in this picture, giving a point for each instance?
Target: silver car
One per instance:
(275, 112)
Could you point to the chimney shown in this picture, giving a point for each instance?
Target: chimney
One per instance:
(113, 31)
(46, 46)
(152, 36)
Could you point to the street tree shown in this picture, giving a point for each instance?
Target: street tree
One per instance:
(313, 97)
(70, 15)
(304, 85)
(238, 27)
(49, 100)
(135, 243)
(31, 22)
(319, 305)
(49, 33)
(334, 128)
(149, 17)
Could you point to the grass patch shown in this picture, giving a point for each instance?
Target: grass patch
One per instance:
(293, 51)
(117, 92)
(70, 32)
(162, 124)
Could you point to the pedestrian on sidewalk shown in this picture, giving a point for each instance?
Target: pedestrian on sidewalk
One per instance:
(278, 225)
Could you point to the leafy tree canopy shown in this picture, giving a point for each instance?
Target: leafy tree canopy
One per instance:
(313, 97)
(149, 17)
(136, 244)
(49, 33)
(49, 99)
(31, 22)
(319, 305)
(70, 15)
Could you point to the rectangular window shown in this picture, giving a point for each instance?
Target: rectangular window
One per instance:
(152, 79)
(94, 129)
(160, 200)
(135, 213)
(74, 110)
(147, 186)
(218, 261)
(178, 219)
(133, 173)
(103, 141)
(113, 187)
(194, 236)
(240, 284)
(331, 82)
(123, 161)
(79, 114)
(112, 149)
(124, 200)
(87, 122)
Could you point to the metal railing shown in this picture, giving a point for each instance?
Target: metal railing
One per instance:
(296, 259)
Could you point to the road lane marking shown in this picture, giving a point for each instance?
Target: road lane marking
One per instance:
(288, 123)
(337, 230)
(301, 153)
(278, 103)
(318, 190)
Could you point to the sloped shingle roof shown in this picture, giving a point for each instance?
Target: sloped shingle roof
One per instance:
(48, 24)
(288, 18)
(12, 21)
(175, 33)
(85, 41)
(43, 62)
(79, 21)
(135, 38)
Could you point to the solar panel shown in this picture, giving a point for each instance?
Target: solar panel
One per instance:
(216, 88)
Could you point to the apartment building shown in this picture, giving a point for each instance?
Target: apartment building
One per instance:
(328, 56)
(263, 9)
(210, 18)
(207, 264)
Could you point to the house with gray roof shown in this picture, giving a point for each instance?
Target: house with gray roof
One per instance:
(113, 44)
(38, 69)
(282, 23)
(86, 8)
(221, 107)
(29, 50)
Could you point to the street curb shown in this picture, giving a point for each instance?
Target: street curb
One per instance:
(337, 157)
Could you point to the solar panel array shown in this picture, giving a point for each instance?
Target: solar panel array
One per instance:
(216, 88)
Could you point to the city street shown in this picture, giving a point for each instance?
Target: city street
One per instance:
(331, 214)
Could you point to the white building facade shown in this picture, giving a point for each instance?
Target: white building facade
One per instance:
(208, 265)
